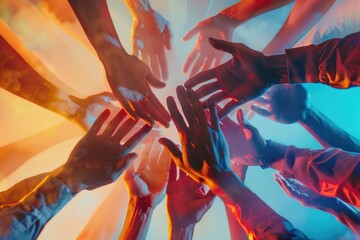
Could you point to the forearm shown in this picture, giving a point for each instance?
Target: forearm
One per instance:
(19, 78)
(137, 219)
(248, 9)
(327, 132)
(256, 217)
(303, 16)
(26, 217)
(346, 214)
(181, 233)
(236, 230)
(94, 17)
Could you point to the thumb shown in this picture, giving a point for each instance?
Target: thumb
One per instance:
(125, 161)
(191, 33)
(222, 45)
(153, 81)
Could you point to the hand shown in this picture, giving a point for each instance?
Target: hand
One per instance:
(241, 79)
(245, 142)
(283, 103)
(203, 55)
(305, 195)
(91, 107)
(151, 34)
(99, 159)
(187, 201)
(205, 154)
(149, 181)
(130, 81)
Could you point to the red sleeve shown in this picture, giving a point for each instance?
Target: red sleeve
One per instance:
(335, 62)
(331, 172)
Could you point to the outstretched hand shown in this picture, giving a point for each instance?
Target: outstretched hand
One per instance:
(205, 153)
(151, 177)
(187, 201)
(243, 78)
(131, 83)
(305, 195)
(283, 103)
(151, 35)
(203, 56)
(99, 158)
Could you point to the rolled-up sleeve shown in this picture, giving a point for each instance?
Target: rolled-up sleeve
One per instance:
(331, 172)
(334, 62)
(24, 216)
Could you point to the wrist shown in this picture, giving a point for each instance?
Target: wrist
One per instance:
(276, 68)
(225, 185)
(66, 176)
(181, 233)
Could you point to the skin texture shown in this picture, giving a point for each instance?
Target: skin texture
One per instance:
(205, 158)
(151, 35)
(145, 190)
(187, 203)
(83, 169)
(129, 78)
(243, 78)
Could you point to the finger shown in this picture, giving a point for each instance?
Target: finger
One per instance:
(142, 114)
(145, 57)
(126, 106)
(167, 36)
(155, 66)
(145, 157)
(124, 129)
(186, 105)
(175, 115)
(190, 59)
(208, 63)
(155, 114)
(240, 118)
(161, 112)
(153, 81)
(174, 151)
(137, 137)
(261, 101)
(215, 123)
(222, 45)
(226, 120)
(113, 124)
(197, 65)
(207, 89)
(216, 98)
(124, 162)
(99, 122)
(261, 111)
(130, 171)
(228, 108)
(200, 78)
(198, 109)
(173, 171)
(189, 35)
(163, 65)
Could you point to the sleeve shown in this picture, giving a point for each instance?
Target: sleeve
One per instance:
(331, 172)
(24, 216)
(334, 62)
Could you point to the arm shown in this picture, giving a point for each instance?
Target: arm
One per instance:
(19, 78)
(303, 16)
(345, 213)
(250, 72)
(289, 104)
(187, 203)
(221, 26)
(205, 157)
(150, 36)
(26, 214)
(128, 77)
(146, 192)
